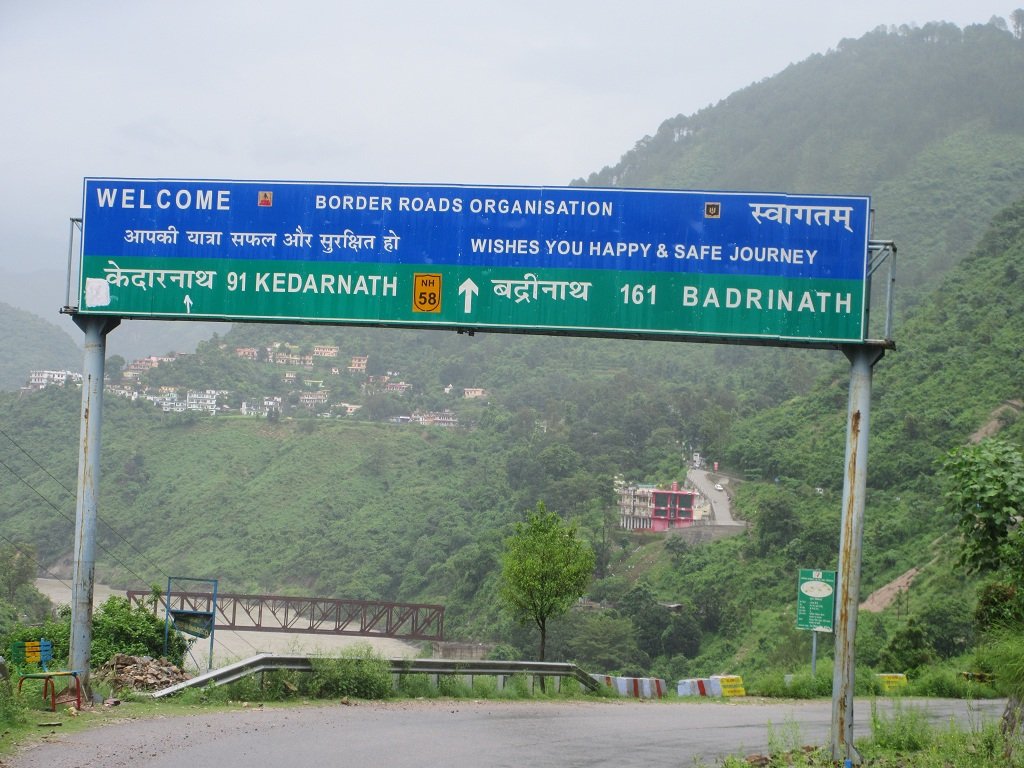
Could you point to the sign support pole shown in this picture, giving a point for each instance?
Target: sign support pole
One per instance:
(96, 330)
(862, 360)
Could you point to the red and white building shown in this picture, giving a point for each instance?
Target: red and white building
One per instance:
(650, 508)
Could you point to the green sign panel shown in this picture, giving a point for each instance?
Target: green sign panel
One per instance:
(815, 602)
(630, 263)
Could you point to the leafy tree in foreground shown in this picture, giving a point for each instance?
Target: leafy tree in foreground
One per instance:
(545, 567)
(985, 492)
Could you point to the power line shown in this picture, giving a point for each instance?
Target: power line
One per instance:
(159, 569)
(109, 527)
(32, 459)
(39, 565)
(53, 576)
(57, 509)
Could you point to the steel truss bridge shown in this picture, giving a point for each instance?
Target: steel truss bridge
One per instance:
(310, 615)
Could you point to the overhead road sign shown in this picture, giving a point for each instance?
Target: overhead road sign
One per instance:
(761, 267)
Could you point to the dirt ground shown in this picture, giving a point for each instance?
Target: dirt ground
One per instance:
(231, 646)
(882, 598)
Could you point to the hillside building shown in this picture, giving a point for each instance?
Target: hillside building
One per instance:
(205, 401)
(313, 399)
(434, 418)
(645, 507)
(43, 379)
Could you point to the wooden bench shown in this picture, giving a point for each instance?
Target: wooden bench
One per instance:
(41, 652)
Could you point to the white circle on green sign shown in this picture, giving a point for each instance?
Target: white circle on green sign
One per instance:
(818, 589)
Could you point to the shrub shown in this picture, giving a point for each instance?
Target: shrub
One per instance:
(1003, 653)
(504, 652)
(360, 673)
(416, 686)
(12, 707)
(117, 627)
(485, 687)
(798, 686)
(902, 731)
(947, 684)
(272, 685)
(517, 686)
(454, 686)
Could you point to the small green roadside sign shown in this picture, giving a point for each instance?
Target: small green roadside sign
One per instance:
(815, 602)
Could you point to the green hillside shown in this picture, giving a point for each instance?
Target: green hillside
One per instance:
(959, 370)
(31, 343)
(929, 122)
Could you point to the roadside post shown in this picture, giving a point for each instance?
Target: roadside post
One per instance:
(862, 362)
(87, 498)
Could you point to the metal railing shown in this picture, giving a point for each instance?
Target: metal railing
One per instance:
(309, 615)
(266, 662)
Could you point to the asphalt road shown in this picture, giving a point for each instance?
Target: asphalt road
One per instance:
(475, 734)
(719, 499)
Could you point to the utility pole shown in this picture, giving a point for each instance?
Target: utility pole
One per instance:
(862, 360)
(96, 330)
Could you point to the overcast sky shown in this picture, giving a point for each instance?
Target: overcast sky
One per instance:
(534, 92)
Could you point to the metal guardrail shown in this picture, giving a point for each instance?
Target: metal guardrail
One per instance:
(266, 662)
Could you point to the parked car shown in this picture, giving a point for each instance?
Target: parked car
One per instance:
(718, 487)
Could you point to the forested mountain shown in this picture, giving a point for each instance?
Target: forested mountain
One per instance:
(929, 122)
(29, 343)
(44, 292)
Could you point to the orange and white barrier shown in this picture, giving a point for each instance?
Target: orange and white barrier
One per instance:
(730, 685)
(716, 686)
(892, 682)
(635, 687)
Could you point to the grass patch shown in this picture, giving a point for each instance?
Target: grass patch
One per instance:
(900, 739)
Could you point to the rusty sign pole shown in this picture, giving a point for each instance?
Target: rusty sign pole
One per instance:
(862, 360)
(96, 330)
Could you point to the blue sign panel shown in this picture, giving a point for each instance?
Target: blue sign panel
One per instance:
(633, 262)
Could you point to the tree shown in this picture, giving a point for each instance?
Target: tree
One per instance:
(985, 493)
(600, 641)
(19, 569)
(545, 568)
(908, 650)
(650, 619)
(114, 367)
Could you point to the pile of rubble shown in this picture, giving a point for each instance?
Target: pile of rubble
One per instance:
(140, 673)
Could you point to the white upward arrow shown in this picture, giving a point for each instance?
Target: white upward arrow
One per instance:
(470, 290)
(188, 304)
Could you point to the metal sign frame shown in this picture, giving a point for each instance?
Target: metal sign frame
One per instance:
(198, 618)
(624, 254)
